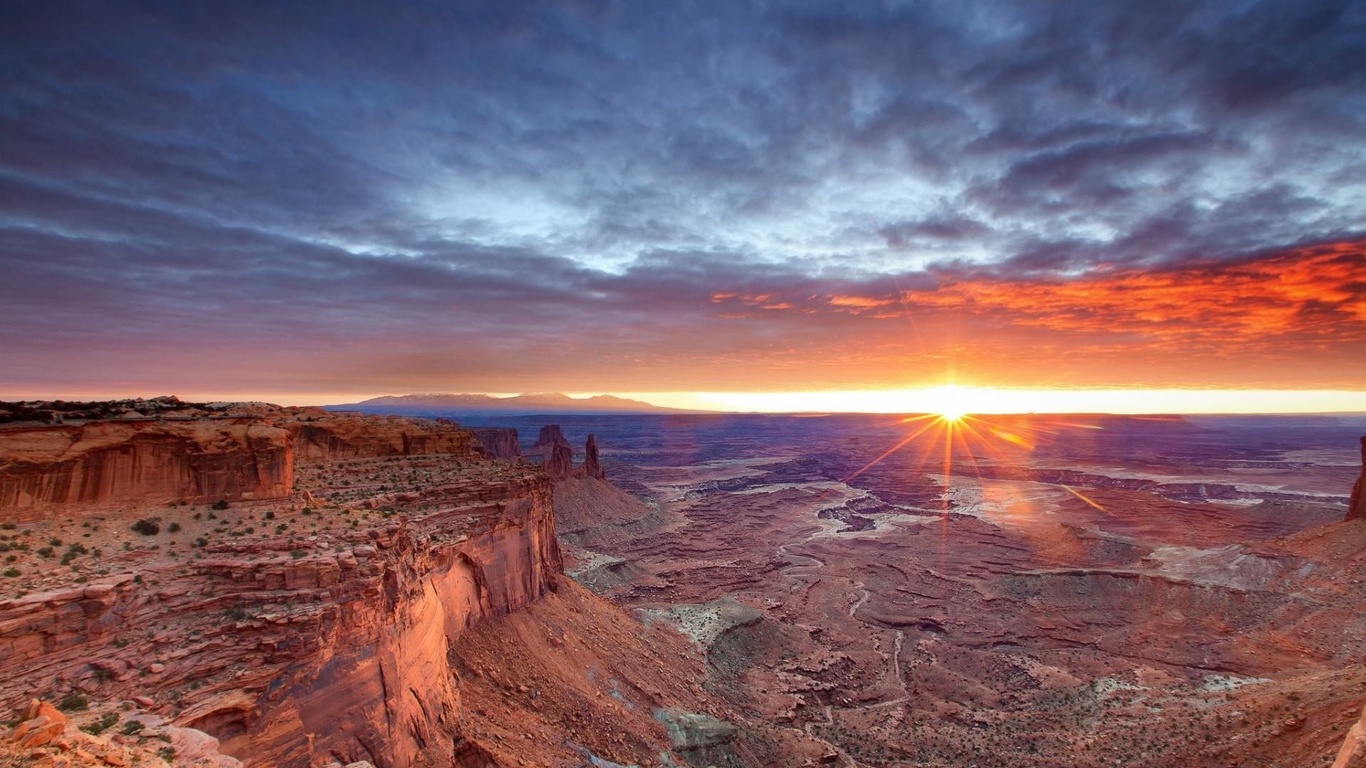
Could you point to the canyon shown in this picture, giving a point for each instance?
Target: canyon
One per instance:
(302, 588)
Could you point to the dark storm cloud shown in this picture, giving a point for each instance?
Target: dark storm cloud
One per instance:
(455, 173)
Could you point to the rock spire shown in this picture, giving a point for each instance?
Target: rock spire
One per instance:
(591, 466)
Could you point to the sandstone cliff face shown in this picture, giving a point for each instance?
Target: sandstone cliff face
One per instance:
(1356, 506)
(499, 442)
(286, 628)
(334, 649)
(113, 461)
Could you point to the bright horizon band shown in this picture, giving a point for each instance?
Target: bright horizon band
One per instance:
(987, 400)
(950, 399)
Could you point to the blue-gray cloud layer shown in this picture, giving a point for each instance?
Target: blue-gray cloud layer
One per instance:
(484, 180)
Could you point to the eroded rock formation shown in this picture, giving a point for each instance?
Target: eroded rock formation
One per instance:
(549, 436)
(554, 452)
(500, 442)
(1356, 505)
(592, 467)
(560, 463)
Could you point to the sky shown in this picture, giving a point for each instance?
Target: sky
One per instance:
(316, 202)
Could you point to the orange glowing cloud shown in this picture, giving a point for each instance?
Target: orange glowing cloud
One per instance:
(1311, 292)
(1259, 321)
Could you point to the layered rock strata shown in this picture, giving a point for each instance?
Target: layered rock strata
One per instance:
(105, 462)
(289, 651)
(299, 630)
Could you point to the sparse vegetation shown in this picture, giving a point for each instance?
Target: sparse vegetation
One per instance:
(147, 526)
(72, 552)
(220, 504)
(104, 723)
(73, 702)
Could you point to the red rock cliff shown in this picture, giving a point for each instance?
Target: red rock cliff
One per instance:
(297, 631)
(294, 653)
(104, 462)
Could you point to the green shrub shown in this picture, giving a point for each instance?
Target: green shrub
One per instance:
(73, 702)
(131, 728)
(11, 572)
(105, 722)
(220, 504)
(173, 528)
(147, 526)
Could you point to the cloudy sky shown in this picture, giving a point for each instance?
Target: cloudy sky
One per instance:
(297, 201)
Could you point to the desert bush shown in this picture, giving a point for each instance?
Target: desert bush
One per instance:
(101, 725)
(147, 526)
(73, 702)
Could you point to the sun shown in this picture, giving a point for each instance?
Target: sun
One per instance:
(949, 402)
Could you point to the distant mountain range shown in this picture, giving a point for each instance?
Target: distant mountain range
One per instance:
(536, 402)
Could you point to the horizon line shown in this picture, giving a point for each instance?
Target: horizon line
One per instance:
(949, 398)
